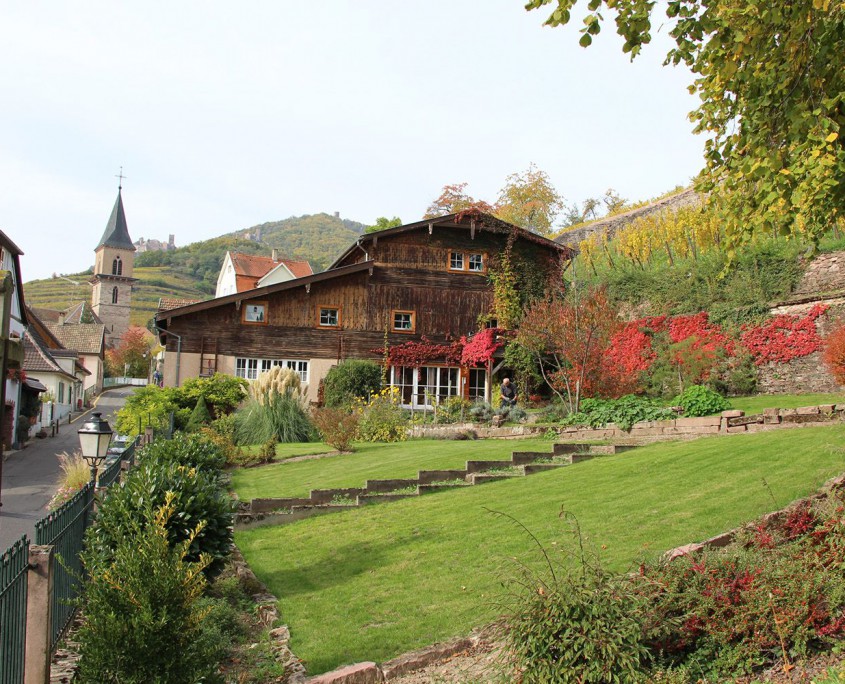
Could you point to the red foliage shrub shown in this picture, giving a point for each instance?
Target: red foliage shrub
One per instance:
(834, 353)
(783, 338)
(480, 349)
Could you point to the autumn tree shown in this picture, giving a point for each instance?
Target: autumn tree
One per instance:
(593, 207)
(529, 200)
(383, 223)
(567, 336)
(771, 80)
(454, 199)
(131, 357)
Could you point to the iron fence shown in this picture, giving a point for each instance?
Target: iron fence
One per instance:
(64, 529)
(109, 474)
(14, 563)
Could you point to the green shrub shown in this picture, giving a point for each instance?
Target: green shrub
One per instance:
(453, 409)
(197, 499)
(150, 405)
(624, 412)
(574, 623)
(268, 450)
(282, 416)
(337, 426)
(481, 412)
(192, 450)
(351, 380)
(222, 393)
(382, 418)
(143, 621)
(699, 400)
(199, 416)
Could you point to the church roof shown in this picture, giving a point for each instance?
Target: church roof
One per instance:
(117, 234)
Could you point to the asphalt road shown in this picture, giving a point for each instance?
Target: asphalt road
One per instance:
(31, 476)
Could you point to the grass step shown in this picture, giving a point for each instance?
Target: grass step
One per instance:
(523, 457)
(366, 499)
(481, 466)
(378, 486)
(481, 478)
(430, 476)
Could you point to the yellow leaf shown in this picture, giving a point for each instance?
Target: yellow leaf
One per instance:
(833, 136)
(785, 172)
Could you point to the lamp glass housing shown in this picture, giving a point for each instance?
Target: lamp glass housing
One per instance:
(94, 438)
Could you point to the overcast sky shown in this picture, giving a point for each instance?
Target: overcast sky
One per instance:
(224, 115)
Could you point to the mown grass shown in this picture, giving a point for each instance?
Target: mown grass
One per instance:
(371, 583)
(756, 404)
(372, 461)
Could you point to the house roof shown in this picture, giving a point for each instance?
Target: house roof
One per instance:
(162, 316)
(72, 315)
(250, 268)
(116, 233)
(84, 338)
(37, 359)
(167, 303)
(469, 220)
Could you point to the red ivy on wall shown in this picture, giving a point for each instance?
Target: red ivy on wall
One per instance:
(480, 349)
(416, 354)
(783, 338)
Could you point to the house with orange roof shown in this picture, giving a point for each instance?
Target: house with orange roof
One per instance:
(241, 272)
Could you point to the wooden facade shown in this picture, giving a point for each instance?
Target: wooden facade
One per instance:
(427, 279)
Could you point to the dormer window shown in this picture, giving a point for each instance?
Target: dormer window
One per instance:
(467, 262)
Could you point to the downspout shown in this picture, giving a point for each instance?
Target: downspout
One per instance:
(178, 348)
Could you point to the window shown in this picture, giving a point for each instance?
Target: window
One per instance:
(477, 384)
(425, 386)
(255, 313)
(329, 317)
(403, 321)
(472, 262)
(252, 368)
(492, 323)
(117, 266)
(114, 295)
(61, 393)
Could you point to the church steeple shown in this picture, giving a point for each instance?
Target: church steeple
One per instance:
(116, 233)
(111, 295)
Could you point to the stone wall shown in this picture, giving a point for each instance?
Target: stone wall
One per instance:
(612, 224)
(799, 376)
(824, 275)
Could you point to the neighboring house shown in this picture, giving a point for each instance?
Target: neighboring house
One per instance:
(57, 372)
(426, 279)
(10, 396)
(241, 272)
(87, 340)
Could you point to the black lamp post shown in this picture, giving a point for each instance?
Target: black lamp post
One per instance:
(94, 437)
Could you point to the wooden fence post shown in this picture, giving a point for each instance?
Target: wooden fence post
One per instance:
(39, 615)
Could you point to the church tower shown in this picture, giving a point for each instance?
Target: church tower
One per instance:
(114, 261)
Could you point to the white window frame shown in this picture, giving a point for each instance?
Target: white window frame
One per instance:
(251, 368)
(328, 310)
(475, 263)
(456, 261)
(418, 386)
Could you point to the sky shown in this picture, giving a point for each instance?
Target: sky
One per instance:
(225, 115)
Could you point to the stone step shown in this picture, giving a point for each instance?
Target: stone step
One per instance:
(531, 468)
(563, 449)
(430, 476)
(523, 457)
(379, 486)
(325, 496)
(481, 466)
(367, 499)
(437, 487)
(481, 478)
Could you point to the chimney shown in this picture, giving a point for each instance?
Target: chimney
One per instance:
(275, 255)
(61, 318)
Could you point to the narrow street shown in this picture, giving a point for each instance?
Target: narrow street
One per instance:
(31, 475)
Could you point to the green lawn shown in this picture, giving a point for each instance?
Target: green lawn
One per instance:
(370, 462)
(370, 583)
(756, 404)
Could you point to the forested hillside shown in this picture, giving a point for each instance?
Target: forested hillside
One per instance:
(191, 272)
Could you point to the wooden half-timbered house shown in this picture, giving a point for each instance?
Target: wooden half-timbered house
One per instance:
(428, 279)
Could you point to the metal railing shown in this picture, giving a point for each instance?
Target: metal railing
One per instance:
(123, 382)
(111, 474)
(14, 564)
(64, 529)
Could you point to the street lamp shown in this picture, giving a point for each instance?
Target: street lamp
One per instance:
(94, 437)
